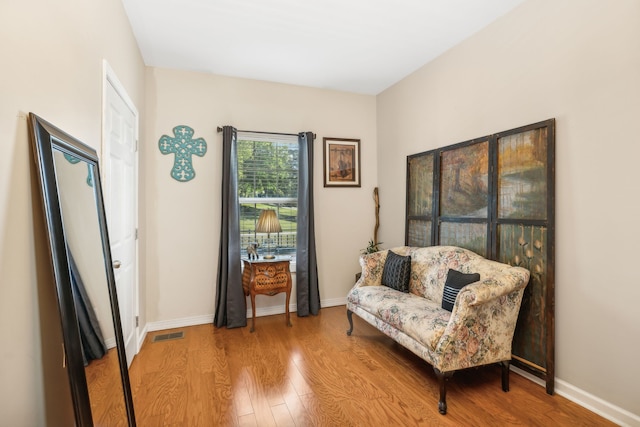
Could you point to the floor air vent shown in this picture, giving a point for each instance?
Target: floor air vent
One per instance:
(167, 337)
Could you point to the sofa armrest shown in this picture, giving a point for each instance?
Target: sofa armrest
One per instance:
(372, 266)
(482, 323)
(497, 286)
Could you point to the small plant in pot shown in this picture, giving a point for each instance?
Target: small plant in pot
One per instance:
(372, 247)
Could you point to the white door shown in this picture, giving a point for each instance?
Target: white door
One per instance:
(120, 169)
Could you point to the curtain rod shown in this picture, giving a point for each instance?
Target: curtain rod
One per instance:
(267, 133)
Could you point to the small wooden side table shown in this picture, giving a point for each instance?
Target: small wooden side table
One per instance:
(266, 277)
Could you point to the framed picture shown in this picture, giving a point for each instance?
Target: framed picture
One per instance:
(341, 162)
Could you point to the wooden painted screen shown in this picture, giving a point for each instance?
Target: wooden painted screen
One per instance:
(495, 195)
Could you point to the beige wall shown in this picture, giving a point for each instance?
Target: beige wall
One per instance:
(52, 56)
(577, 61)
(183, 218)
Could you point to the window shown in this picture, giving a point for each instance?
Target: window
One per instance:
(268, 179)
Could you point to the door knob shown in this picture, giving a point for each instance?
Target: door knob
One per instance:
(116, 264)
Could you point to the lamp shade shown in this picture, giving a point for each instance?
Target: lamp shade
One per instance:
(268, 222)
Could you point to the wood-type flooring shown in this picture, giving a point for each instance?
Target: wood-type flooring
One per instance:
(313, 374)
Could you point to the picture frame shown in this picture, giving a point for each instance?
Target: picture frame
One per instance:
(341, 162)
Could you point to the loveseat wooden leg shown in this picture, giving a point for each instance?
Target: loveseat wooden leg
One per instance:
(350, 318)
(505, 375)
(443, 378)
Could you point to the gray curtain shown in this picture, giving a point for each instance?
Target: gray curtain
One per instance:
(93, 346)
(307, 293)
(231, 310)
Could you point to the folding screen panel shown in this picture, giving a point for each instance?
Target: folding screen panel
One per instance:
(464, 195)
(420, 174)
(524, 214)
(495, 196)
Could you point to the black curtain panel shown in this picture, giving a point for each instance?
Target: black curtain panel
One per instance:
(231, 310)
(93, 346)
(307, 292)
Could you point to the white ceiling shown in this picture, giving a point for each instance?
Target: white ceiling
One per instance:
(360, 46)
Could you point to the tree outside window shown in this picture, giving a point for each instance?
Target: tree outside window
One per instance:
(268, 179)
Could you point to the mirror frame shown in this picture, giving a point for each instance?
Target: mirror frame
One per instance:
(46, 137)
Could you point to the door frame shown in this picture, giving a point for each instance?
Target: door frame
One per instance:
(109, 78)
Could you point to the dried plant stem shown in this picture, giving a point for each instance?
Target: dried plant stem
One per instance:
(376, 199)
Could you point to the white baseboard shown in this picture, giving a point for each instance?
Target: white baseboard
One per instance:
(208, 318)
(587, 400)
(141, 336)
(269, 311)
(179, 323)
(110, 343)
(334, 302)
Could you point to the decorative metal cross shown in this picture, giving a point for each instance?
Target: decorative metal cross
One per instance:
(73, 160)
(183, 147)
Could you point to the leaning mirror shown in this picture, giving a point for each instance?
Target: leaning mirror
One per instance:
(84, 280)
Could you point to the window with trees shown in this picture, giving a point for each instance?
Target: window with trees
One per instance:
(268, 179)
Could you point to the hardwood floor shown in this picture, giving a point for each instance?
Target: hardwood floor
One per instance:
(313, 374)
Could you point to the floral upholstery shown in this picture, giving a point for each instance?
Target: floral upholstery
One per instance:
(478, 330)
(422, 320)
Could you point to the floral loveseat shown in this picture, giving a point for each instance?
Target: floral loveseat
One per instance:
(477, 331)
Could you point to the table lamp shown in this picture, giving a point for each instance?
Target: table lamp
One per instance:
(268, 223)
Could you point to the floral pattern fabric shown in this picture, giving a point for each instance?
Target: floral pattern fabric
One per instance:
(478, 331)
(417, 317)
